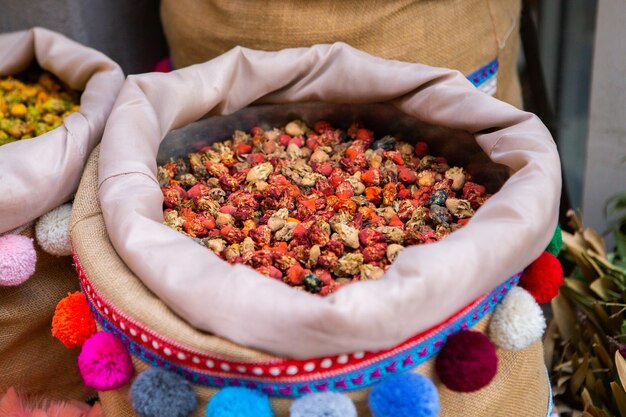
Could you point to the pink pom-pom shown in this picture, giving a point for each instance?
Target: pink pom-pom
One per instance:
(104, 362)
(17, 259)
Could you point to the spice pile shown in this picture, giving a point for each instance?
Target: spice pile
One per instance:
(316, 208)
(32, 108)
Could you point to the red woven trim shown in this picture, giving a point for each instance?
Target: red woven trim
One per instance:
(277, 368)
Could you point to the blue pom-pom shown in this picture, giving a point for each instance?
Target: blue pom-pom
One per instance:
(160, 393)
(324, 404)
(404, 395)
(239, 402)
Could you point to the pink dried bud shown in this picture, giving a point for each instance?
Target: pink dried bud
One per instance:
(296, 140)
(472, 191)
(173, 196)
(261, 235)
(374, 253)
(318, 236)
(327, 260)
(395, 156)
(344, 190)
(371, 177)
(406, 209)
(255, 158)
(389, 193)
(335, 247)
(322, 126)
(216, 169)
(228, 183)
(232, 234)
(262, 257)
(407, 176)
(295, 275)
(369, 236)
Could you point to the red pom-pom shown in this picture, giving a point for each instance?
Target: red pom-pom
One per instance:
(543, 278)
(73, 322)
(468, 362)
(104, 362)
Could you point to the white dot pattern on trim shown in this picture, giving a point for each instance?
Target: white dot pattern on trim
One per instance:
(274, 371)
(195, 359)
(155, 344)
(225, 367)
(292, 370)
(167, 351)
(241, 369)
(106, 311)
(133, 332)
(310, 366)
(181, 356)
(359, 355)
(122, 326)
(257, 371)
(342, 359)
(144, 338)
(326, 363)
(209, 363)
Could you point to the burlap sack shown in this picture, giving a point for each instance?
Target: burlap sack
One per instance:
(31, 360)
(520, 388)
(42, 173)
(424, 287)
(461, 34)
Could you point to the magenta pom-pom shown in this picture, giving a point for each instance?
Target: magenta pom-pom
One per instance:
(104, 362)
(468, 362)
(17, 259)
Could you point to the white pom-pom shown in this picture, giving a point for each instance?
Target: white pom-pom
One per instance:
(517, 322)
(53, 232)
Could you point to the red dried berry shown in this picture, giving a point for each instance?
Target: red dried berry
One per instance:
(324, 168)
(421, 149)
(295, 275)
(371, 177)
(374, 194)
(407, 176)
(173, 196)
(389, 193)
(335, 247)
(395, 156)
(344, 190)
(261, 235)
(327, 260)
(318, 236)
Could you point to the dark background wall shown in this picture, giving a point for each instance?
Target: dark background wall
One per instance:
(127, 31)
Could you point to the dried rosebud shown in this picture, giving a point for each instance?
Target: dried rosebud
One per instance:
(371, 177)
(255, 158)
(285, 233)
(335, 247)
(344, 190)
(389, 193)
(369, 236)
(426, 179)
(173, 196)
(327, 260)
(391, 234)
(232, 234)
(347, 235)
(371, 272)
(186, 180)
(261, 235)
(374, 194)
(418, 218)
(374, 253)
(260, 172)
(422, 195)
(345, 205)
(472, 191)
(349, 264)
(217, 245)
(421, 149)
(224, 219)
(294, 275)
(318, 235)
(247, 245)
(440, 215)
(231, 252)
(386, 214)
(438, 197)
(393, 250)
(395, 222)
(407, 176)
(278, 219)
(296, 128)
(460, 208)
(322, 126)
(228, 183)
(172, 219)
(216, 169)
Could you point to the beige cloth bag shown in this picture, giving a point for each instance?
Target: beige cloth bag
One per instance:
(420, 290)
(42, 173)
(460, 34)
(520, 388)
(37, 175)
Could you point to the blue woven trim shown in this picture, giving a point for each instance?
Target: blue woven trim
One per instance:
(484, 74)
(355, 379)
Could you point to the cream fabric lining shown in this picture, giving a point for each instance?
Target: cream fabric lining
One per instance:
(39, 174)
(425, 285)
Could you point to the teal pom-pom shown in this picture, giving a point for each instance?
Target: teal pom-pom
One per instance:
(239, 402)
(323, 404)
(554, 247)
(405, 395)
(160, 393)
